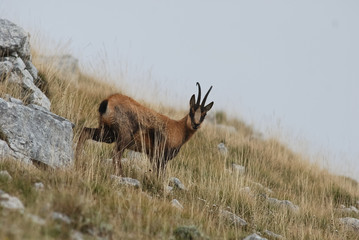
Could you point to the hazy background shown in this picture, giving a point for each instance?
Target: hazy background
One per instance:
(286, 67)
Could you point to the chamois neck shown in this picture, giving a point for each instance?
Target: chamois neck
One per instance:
(187, 130)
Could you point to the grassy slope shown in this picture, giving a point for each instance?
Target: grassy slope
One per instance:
(89, 197)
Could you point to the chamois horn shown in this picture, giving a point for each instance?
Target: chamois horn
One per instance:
(205, 97)
(199, 94)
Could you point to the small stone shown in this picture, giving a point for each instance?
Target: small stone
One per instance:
(5, 174)
(233, 218)
(238, 169)
(350, 209)
(61, 217)
(176, 183)
(76, 235)
(254, 236)
(283, 203)
(272, 235)
(39, 186)
(175, 203)
(222, 149)
(10, 202)
(352, 223)
(168, 189)
(126, 181)
(36, 219)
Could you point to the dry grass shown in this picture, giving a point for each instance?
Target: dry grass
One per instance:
(94, 203)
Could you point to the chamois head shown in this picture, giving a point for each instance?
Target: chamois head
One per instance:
(198, 111)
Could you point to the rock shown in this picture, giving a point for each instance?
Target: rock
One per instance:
(19, 75)
(238, 169)
(175, 203)
(352, 223)
(61, 217)
(15, 63)
(39, 186)
(254, 236)
(168, 189)
(13, 39)
(126, 181)
(6, 152)
(222, 149)
(34, 133)
(247, 190)
(187, 233)
(5, 174)
(177, 184)
(272, 235)
(350, 209)
(36, 219)
(233, 218)
(31, 69)
(10, 202)
(76, 235)
(284, 204)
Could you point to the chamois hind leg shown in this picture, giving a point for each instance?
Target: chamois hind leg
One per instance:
(104, 134)
(122, 142)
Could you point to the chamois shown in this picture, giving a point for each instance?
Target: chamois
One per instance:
(130, 125)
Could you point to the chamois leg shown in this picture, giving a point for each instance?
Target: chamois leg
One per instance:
(104, 134)
(117, 155)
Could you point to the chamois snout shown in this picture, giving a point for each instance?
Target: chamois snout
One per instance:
(198, 111)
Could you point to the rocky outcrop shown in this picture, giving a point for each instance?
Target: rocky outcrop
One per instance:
(15, 63)
(28, 130)
(13, 40)
(32, 133)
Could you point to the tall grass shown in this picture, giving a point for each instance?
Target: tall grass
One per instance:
(100, 207)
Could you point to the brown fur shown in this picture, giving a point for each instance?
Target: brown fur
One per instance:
(130, 125)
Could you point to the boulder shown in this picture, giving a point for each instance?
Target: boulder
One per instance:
(14, 40)
(15, 63)
(14, 70)
(32, 133)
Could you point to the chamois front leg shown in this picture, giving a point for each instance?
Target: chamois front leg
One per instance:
(103, 134)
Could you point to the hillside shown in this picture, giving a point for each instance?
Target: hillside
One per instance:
(217, 193)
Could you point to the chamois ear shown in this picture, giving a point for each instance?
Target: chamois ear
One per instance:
(192, 101)
(208, 107)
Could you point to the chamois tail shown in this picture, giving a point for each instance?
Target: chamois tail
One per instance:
(103, 107)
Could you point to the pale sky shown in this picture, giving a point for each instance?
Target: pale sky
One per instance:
(288, 66)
